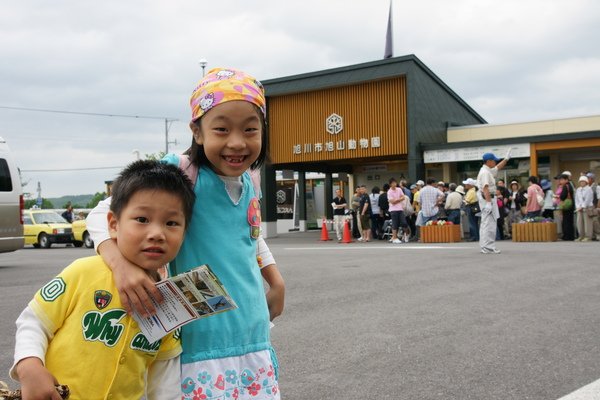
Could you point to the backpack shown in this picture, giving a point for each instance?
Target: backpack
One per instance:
(540, 197)
(407, 207)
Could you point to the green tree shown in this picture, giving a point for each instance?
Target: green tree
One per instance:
(46, 204)
(99, 196)
(155, 156)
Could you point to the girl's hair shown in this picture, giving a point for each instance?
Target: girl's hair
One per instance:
(198, 157)
(533, 179)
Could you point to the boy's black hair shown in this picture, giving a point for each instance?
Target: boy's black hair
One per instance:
(198, 157)
(533, 179)
(152, 175)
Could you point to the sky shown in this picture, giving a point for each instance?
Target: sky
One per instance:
(511, 61)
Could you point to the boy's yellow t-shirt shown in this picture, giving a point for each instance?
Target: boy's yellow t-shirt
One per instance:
(97, 349)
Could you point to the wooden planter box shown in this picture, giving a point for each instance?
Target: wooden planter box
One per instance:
(440, 234)
(534, 232)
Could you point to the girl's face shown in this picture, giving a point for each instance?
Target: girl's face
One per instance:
(231, 134)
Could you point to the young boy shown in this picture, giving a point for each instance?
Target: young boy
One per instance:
(76, 331)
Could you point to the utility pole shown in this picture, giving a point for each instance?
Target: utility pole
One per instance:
(168, 122)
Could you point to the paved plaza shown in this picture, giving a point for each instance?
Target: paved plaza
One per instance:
(410, 321)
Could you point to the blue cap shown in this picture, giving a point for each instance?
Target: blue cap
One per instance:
(490, 156)
(545, 184)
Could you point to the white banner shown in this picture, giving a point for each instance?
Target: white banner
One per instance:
(520, 150)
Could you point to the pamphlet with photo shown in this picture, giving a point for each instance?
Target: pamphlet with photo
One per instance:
(195, 294)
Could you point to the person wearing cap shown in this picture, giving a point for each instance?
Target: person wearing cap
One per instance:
(566, 196)
(548, 207)
(453, 203)
(471, 203)
(516, 200)
(583, 208)
(596, 217)
(486, 182)
(416, 201)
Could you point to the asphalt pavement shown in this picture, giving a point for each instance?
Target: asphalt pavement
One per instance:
(409, 321)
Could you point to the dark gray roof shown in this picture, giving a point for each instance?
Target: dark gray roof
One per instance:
(407, 65)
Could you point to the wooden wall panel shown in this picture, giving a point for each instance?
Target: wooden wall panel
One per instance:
(369, 110)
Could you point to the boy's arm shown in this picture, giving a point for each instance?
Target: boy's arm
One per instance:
(31, 339)
(163, 381)
(271, 274)
(132, 282)
(36, 381)
(31, 343)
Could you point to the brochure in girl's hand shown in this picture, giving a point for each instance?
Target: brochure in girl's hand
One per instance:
(194, 294)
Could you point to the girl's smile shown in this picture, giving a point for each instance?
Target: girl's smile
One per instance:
(231, 134)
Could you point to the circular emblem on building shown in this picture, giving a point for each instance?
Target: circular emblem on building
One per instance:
(334, 124)
(281, 197)
(53, 289)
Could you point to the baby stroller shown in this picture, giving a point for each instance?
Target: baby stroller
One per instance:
(386, 229)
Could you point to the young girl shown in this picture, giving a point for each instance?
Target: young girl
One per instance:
(228, 355)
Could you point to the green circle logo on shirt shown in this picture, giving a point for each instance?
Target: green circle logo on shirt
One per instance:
(53, 289)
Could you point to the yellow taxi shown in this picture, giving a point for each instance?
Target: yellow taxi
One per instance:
(80, 234)
(42, 228)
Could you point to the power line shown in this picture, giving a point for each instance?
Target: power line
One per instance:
(69, 169)
(85, 113)
(168, 121)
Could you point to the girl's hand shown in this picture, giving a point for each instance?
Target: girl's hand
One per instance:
(276, 293)
(133, 283)
(36, 381)
(275, 301)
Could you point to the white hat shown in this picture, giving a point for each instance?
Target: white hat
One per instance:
(460, 189)
(420, 183)
(583, 178)
(470, 181)
(567, 173)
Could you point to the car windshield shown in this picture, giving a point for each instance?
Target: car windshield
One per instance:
(49, 217)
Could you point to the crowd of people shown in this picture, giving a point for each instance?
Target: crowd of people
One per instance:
(397, 210)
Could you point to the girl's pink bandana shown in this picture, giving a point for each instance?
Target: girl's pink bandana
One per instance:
(226, 84)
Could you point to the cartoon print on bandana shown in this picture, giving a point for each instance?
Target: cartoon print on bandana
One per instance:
(254, 218)
(210, 100)
(231, 384)
(225, 74)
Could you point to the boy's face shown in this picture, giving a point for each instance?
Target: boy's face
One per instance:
(231, 134)
(150, 229)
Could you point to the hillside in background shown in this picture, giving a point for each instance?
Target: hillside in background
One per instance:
(79, 201)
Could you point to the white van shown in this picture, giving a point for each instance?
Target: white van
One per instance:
(11, 202)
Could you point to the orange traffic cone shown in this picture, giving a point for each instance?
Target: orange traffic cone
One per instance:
(324, 232)
(347, 235)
